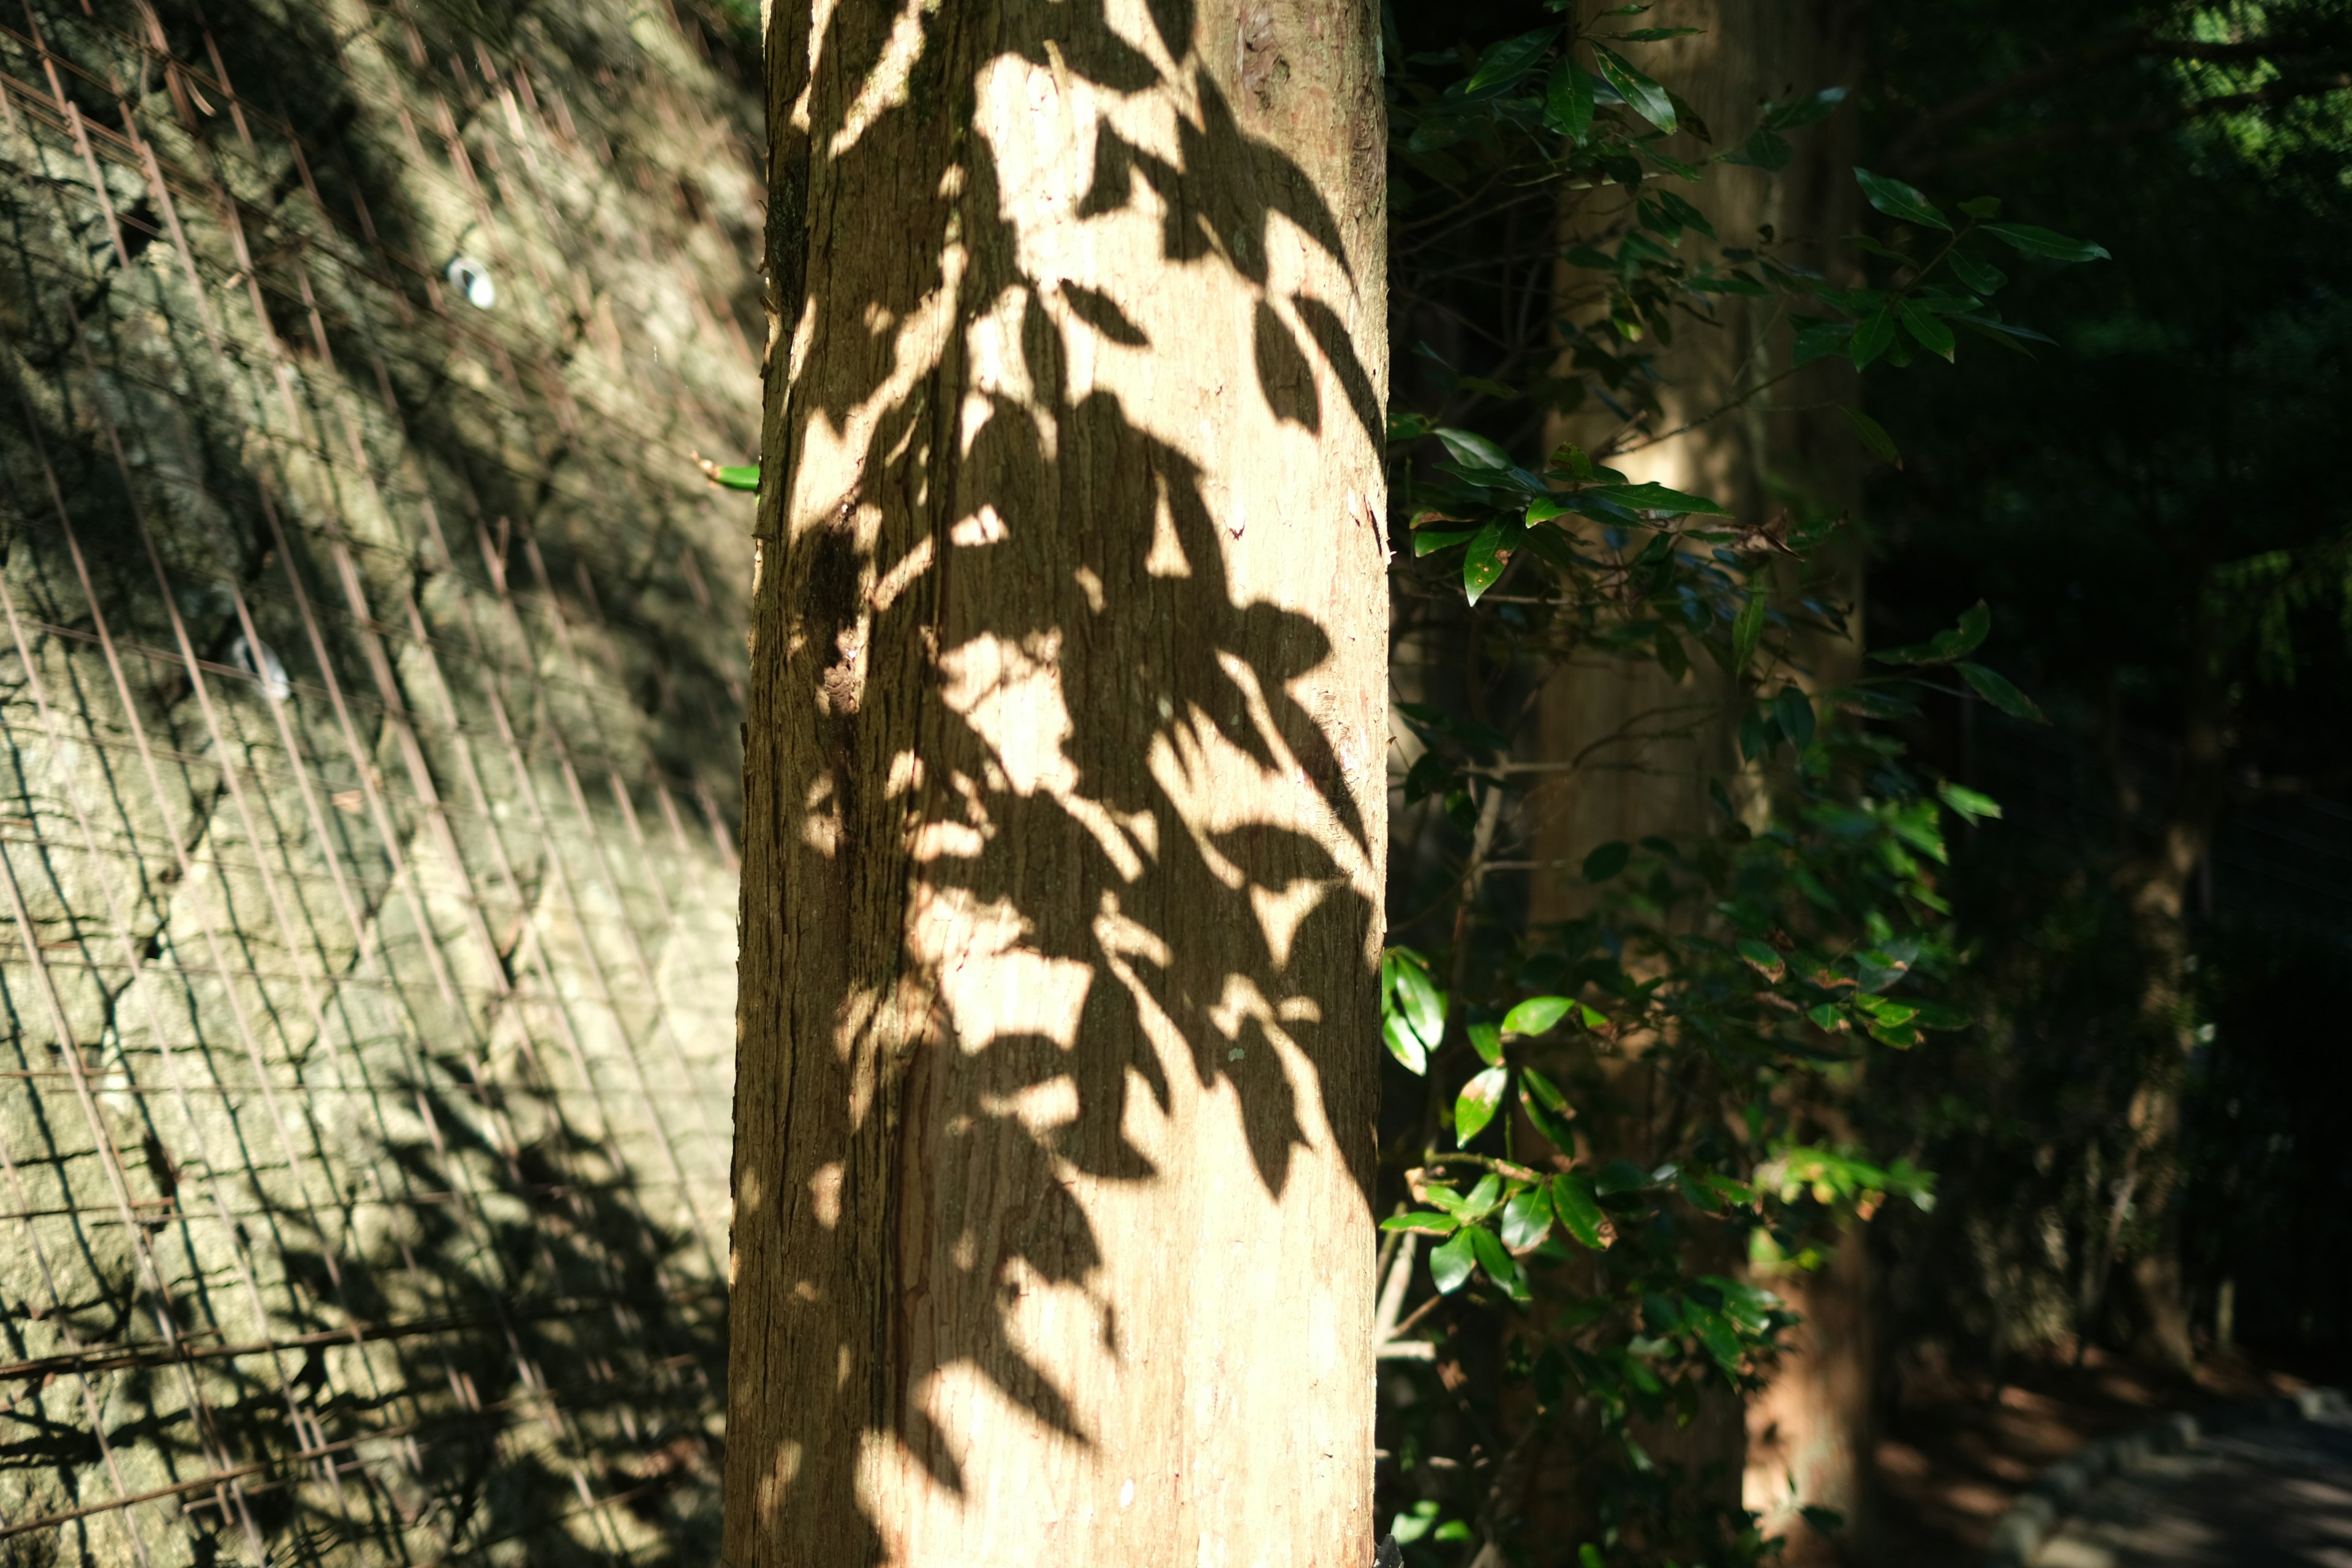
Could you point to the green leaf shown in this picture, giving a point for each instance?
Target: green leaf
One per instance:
(1607, 860)
(1536, 1016)
(1471, 450)
(1550, 1123)
(1483, 1198)
(1483, 561)
(1527, 1219)
(1976, 277)
(2042, 242)
(1402, 1045)
(2007, 333)
(1818, 336)
(1547, 1093)
(1765, 958)
(1937, 1016)
(1807, 110)
(1900, 201)
(1930, 333)
(1578, 1209)
(1872, 336)
(1450, 1265)
(1588, 1556)
(1476, 1105)
(1874, 436)
(1976, 625)
(1763, 151)
(1996, 690)
(1967, 802)
(1748, 629)
(1643, 96)
(1568, 101)
(1499, 1265)
(738, 477)
(1423, 1222)
(1422, 1004)
(1655, 498)
(1716, 1335)
(1981, 207)
(1429, 541)
(1486, 1039)
(1794, 709)
(1506, 62)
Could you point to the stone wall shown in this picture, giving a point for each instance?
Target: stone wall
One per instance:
(368, 691)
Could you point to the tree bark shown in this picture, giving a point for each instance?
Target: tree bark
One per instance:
(1064, 791)
(1650, 744)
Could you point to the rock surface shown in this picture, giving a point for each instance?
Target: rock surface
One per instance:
(370, 668)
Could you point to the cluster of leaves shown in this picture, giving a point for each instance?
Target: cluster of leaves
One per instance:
(1717, 975)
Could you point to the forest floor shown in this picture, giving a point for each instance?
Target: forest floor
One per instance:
(1960, 1448)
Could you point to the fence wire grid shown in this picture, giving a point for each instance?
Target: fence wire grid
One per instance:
(368, 691)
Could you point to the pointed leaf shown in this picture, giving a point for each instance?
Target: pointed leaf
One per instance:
(1527, 1219)
(1536, 1016)
(1967, 802)
(1486, 1039)
(1872, 336)
(1471, 450)
(1655, 498)
(1976, 277)
(1404, 1044)
(1578, 1209)
(1748, 631)
(1997, 690)
(2042, 242)
(1900, 201)
(1450, 1264)
(738, 477)
(1794, 710)
(1476, 1104)
(1552, 1123)
(1607, 860)
(1506, 62)
(1424, 1004)
(1483, 561)
(1643, 96)
(1423, 1222)
(1874, 436)
(1499, 1265)
(1930, 333)
(1568, 101)
(1545, 1092)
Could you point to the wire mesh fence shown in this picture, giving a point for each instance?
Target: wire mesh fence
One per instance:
(369, 686)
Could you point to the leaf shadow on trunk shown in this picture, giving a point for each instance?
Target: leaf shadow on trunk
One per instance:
(1013, 716)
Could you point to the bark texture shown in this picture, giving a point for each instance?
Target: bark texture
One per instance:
(1065, 792)
(1648, 744)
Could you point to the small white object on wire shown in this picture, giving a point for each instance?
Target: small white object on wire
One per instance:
(472, 278)
(260, 661)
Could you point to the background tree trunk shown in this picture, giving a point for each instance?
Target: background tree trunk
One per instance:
(1065, 792)
(1651, 744)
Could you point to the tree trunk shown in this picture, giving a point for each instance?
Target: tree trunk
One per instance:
(2150, 1298)
(1650, 744)
(1064, 791)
